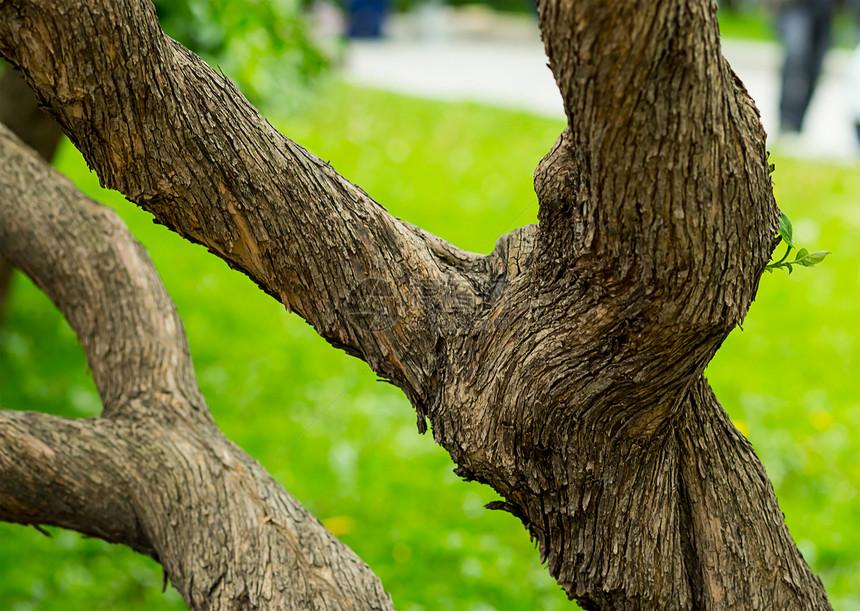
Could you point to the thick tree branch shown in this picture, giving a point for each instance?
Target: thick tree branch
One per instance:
(656, 210)
(668, 186)
(81, 254)
(160, 126)
(154, 473)
(20, 112)
(52, 468)
(229, 537)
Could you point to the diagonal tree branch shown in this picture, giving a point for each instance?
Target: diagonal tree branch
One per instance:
(20, 112)
(154, 472)
(54, 467)
(82, 256)
(191, 150)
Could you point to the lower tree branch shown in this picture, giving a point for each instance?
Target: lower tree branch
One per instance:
(46, 464)
(228, 535)
(21, 113)
(80, 253)
(154, 472)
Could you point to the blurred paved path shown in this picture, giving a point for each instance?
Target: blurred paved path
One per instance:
(501, 61)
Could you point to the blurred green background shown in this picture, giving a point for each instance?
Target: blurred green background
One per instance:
(346, 445)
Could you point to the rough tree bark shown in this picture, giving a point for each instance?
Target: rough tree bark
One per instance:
(564, 369)
(168, 483)
(20, 112)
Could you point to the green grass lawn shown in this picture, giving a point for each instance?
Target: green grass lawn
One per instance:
(347, 446)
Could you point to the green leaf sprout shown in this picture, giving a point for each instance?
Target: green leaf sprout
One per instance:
(803, 257)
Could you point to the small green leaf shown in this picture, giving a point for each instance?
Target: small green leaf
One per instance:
(785, 230)
(810, 259)
(801, 257)
(818, 256)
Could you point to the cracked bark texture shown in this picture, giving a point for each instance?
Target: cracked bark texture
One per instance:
(565, 368)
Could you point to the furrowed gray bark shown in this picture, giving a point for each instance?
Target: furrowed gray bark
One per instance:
(564, 369)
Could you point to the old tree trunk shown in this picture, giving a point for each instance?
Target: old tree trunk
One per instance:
(564, 369)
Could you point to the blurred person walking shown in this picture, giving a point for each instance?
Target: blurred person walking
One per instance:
(854, 74)
(854, 90)
(804, 28)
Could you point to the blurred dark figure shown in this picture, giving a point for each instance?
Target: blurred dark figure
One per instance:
(366, 18)
(804, 27)
(854, 90)
(854, 73)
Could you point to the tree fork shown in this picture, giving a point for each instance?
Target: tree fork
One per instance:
(568, 374)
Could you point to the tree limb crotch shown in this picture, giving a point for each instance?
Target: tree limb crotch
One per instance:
(565, 369)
